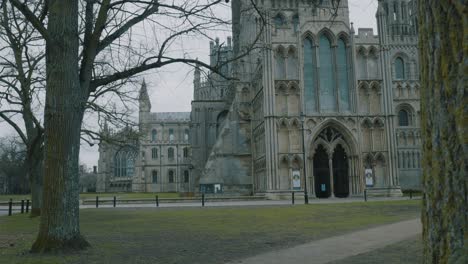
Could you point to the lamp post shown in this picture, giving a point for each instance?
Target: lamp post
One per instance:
(306, 195)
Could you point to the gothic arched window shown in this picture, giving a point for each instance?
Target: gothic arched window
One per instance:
(292, 64)
(342, 65)
(124, 162)
(186, 176)
(171, 176)
(399, 68)
(155, 176)
(171, 134)
(170, 153)
(186, 153)
(154, 153)
(154, 135)
(309, 76)
(327, 78)
(361, 58)
(186, 135)
(279, 20)
(295, 22)
(403, 118)
(280, 64)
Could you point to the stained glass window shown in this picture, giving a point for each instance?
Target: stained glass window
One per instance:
(327, 79)
(124, 162)
(342, 63)
(309, 76)
(399, 69)
(403, 118)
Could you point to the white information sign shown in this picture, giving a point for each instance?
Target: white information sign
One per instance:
(369, 178)
(296, 179)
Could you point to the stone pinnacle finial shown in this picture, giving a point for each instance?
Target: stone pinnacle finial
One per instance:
(143, 91)
(145, 103)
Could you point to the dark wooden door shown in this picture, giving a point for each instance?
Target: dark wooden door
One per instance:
(340, 172)
(321, 173)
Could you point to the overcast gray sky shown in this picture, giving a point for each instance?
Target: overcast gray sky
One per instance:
(171, 88)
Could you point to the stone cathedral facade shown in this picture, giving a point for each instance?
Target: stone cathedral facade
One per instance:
(315, 105)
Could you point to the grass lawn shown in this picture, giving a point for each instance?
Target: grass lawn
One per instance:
(199, 235)
(19, 197)
(405, 252)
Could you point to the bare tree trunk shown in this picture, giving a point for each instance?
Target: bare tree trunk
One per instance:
(36, 192)
(35, 173)
(443, 26)
(34, 159)
(59, 228)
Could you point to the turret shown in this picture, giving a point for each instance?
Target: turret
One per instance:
(143, 99)
(197, 78)
(382, 29)
(395, 17)
(105, 131)
(196, 83)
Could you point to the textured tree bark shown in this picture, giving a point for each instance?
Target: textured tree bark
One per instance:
(59, 227)
(443, 44)
(35, 171)
(34, 159)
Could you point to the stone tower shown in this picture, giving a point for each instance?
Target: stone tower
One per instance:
(398, 40)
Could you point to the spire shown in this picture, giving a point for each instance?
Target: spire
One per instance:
(145, 103)
(143, 92)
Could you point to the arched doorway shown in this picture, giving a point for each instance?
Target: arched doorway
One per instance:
(332, 164)
(321, 173)
(340, 172)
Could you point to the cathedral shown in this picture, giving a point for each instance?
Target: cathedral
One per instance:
(314, 107)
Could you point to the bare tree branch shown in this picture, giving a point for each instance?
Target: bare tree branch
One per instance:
(32, 18)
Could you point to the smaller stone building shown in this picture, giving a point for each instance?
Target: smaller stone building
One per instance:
(156, 158)
(118, 152)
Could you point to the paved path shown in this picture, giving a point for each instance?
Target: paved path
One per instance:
(340, 247)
